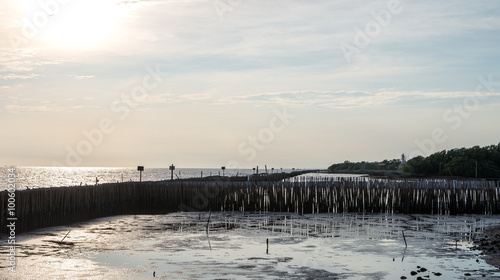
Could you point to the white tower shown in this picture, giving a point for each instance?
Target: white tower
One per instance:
(403, 161)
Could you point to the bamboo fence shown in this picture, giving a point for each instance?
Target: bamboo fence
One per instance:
(46, 207)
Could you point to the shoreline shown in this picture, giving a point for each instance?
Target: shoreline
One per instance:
(392, 174)
(489, 245)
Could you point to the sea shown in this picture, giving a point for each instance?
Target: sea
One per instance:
(28, 177)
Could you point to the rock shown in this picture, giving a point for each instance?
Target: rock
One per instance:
(403, 277)
(437, 273)
(413, 273)
(467, 274)
(423, 269)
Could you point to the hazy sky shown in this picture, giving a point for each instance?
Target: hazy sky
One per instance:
(242, 83)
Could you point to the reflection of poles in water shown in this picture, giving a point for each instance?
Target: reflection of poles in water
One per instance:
(267, 246)
(406, 246)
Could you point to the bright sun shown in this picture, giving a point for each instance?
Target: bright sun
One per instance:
(81, 24)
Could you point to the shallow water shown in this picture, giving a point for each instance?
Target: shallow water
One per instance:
(319, 246)
(44, 177)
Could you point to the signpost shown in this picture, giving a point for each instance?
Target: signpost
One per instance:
(172, 168)
(140, 169)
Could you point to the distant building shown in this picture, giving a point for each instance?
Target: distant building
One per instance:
(403, 161)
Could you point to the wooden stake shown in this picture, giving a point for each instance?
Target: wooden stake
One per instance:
(208, 221)
(208, 226)
(65, 236)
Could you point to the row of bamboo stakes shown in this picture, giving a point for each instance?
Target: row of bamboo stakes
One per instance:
(44, 207)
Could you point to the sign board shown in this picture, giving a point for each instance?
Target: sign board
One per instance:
(140, 168)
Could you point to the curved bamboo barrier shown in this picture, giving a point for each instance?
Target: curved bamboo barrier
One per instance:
(46, 207)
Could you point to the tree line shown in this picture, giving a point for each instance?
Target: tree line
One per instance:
(481, 162)
(392, 165)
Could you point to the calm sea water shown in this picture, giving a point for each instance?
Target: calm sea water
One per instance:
(42, 177)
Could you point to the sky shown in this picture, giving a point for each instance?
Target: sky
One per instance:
(241, 83)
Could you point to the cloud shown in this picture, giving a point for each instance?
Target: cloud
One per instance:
(197, 96)
(297, 98)
(34, 108)
(157, 98)
(22, 64)
(45, 108)
(11, 76)
(18, 66)
(350, 99)
(171, 98)
(81, 77)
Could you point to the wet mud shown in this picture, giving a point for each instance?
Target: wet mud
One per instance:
(315, 246)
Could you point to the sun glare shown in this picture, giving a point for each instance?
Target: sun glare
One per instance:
(80, 24)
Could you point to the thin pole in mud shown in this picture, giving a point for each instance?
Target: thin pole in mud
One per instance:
(404, 238)
(267, 243)
(65, 236)
(208, 227)
(208, 221)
